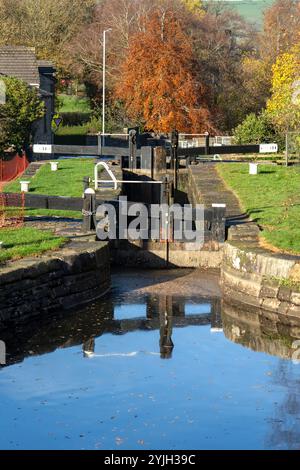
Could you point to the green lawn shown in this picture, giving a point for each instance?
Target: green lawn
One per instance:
(73, 104)
(26, 241)
(67, 181)
(272, 198)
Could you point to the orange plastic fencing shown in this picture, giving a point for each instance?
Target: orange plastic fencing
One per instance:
(12, 167)
(11, 205)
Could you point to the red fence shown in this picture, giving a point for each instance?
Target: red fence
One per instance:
(12, 166)
(11, 206)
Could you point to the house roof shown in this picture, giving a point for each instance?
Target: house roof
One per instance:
(20, 62)
(44, 63)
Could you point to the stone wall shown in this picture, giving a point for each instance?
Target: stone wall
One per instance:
(77, 274)
(156, 255)
(254, 276)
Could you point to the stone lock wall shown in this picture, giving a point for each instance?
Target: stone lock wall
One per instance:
(255, 277)
(77, 274)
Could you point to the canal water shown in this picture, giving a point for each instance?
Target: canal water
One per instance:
(154, 365)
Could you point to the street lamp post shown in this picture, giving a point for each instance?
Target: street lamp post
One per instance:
(103, 82)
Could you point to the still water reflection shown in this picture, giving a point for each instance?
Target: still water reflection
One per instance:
(147, 369)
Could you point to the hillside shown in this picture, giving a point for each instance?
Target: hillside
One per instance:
(252, 10)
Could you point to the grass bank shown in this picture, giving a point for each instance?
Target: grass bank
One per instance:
(19, 243)
(251, 10)
(67, 181)
(271, 198)
(73, 104)
(52, 213)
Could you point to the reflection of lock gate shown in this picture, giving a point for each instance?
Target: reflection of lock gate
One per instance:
(2, 353)
(153, 319)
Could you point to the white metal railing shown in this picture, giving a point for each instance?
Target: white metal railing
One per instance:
(223, 139)
(114, 135)
(105, 166)
(198, 140)
(113, 179)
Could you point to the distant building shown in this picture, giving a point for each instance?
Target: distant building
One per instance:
(21, 62)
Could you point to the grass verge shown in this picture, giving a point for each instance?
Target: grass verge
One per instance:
(19, 243)
(271, 198)
(52, 213)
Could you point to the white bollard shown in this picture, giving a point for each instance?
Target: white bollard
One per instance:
(24, 186)
(253, 168)
(54, 166)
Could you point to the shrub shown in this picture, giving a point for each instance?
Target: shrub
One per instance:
(22, 108)
(75, 119)
(255, 130)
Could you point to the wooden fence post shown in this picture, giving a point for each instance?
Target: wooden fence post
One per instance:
(89, 210)
(174, 155)
(218, 223)
(159, 163)
(207, 142)
(132, 150)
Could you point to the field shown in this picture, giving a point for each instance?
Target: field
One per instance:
(251, 10)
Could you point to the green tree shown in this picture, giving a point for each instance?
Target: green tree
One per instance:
(255, 130)
(22, 108)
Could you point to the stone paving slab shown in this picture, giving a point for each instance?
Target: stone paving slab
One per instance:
(211, 189)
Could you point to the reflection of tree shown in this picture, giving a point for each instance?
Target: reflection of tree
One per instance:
(285, 427)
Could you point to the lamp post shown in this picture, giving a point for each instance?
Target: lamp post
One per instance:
(103, 82)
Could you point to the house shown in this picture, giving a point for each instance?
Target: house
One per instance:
(21, 62)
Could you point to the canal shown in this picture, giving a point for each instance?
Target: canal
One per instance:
(157, 364)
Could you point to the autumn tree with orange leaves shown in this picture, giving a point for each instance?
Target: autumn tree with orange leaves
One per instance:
(157, 80)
